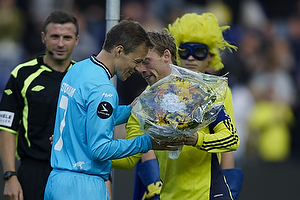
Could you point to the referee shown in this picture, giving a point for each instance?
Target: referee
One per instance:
(28, 106)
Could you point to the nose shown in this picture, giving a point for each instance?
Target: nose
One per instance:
(191, 57)
(140, 68)
(61, 42)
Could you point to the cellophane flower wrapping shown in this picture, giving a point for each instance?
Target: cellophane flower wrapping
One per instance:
(179, 105)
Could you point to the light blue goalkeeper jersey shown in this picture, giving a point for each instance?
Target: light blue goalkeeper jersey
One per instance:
(87, 112)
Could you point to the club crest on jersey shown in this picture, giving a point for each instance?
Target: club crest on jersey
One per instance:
(104, 110)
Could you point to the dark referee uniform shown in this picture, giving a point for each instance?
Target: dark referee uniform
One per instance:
(27, 109)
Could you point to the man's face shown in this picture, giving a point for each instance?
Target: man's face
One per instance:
(196, 65)
(60, 40)
(194, 56)
(155, 67)
(130, 63)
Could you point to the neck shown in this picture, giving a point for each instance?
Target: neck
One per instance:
(57, 65)
(107, 59)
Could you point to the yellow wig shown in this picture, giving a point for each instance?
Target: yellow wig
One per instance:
(205, 29)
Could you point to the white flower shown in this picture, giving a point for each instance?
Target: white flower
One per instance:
(171, 103)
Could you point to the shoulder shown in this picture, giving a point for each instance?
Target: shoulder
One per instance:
(24, 66)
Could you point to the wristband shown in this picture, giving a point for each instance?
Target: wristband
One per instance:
(8, 174)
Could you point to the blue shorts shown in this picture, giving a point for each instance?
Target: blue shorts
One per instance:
(67, 185)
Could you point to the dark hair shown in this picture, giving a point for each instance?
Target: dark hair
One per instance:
(61, 17)
(128, 33)
(162, 41)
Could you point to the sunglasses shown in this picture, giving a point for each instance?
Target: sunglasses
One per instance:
(197, 50)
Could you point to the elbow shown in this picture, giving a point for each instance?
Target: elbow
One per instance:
(118, 164)
(129, 167)
(235, 145)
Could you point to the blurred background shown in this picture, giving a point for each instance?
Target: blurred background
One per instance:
(264, 74)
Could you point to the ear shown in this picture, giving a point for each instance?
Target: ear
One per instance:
(211, 56)
(43, 35)
(118, 50)
(167, 56)
(77, 40)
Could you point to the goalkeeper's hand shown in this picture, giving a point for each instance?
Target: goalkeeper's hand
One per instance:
(192, 139)
(167, 144)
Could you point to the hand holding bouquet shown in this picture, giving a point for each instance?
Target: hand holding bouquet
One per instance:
(180, 104)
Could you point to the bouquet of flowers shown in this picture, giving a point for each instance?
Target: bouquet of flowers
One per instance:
(179, 105)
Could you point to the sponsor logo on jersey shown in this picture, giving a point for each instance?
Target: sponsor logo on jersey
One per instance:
(8, 92)
(104, 110)
(107, 95)
(37, 88)
(66, 88)
(6, 118)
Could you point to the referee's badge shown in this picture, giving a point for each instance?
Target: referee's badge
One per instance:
(104, 110)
